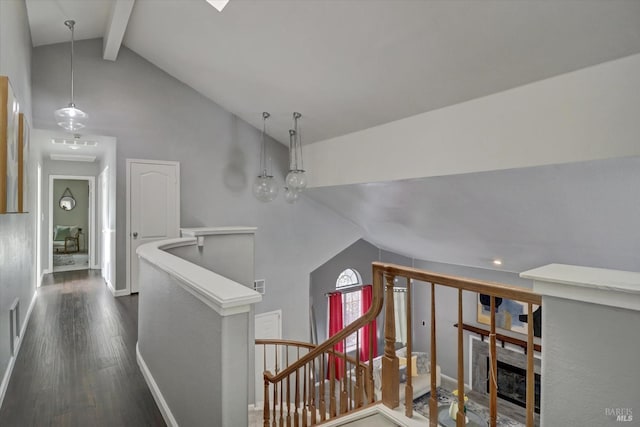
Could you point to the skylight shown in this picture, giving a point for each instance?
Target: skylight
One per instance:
(218, 4)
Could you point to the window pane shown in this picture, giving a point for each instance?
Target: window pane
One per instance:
(349, 277)
(352, 307)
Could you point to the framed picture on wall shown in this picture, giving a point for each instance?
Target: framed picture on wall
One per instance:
(23, 163)
(510, 315)
(9, 111)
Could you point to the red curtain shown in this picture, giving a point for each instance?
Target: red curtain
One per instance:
(367, 330)
(335, 326)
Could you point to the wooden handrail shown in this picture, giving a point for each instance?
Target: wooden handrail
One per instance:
(389, 362)
(302, 344)
(292, 343)
(499, 337)
(327, 346)
(473, 285)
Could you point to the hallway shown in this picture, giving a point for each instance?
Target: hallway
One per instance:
(77, 364)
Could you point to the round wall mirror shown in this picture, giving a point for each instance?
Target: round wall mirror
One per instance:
(67, 201)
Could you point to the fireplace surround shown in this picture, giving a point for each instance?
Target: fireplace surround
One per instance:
(511, 375)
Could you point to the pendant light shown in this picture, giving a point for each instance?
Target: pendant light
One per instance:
(296, 180)
(290, 195)
(264, 186)
(70, 118)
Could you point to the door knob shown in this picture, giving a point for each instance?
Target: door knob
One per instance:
(135, 234)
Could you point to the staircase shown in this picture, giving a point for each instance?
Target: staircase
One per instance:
(315, 384)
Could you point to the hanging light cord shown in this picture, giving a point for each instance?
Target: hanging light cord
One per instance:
(293, 160)
(298, 142)
(263, 145)
(71, 24)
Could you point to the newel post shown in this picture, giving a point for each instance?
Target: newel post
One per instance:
(390, 381)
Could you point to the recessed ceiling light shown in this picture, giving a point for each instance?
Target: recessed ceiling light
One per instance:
(497, 262)
(218, 4)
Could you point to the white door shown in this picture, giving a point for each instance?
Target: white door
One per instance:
(153, 207)
(267, 326)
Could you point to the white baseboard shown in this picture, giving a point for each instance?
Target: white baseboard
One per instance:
(7, 373)
(116, 292)
(155, 391)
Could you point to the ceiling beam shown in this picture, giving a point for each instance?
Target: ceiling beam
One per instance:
(118, 20)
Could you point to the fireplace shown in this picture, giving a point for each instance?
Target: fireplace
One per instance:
(511, 375)
(512, 385)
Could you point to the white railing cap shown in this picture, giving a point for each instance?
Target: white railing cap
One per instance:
(224, 295)
(210, 231)
(614, 288)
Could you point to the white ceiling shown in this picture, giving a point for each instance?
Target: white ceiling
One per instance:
(347, 65)
(46, 19)
(47, 148)
(581, 213)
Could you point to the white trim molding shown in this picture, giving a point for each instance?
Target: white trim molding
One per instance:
(116, 292)
(614, 288)
(224, 295)
(7, 373)
(91, 247)
(155, 391)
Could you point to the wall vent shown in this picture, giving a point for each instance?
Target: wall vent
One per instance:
(260, 286)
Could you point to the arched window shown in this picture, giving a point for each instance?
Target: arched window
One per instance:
(351, 300)
(348, 277)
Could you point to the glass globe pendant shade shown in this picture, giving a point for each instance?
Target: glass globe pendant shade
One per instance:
(70, 118)
(265, 188)
(296, 180)
(290, 196)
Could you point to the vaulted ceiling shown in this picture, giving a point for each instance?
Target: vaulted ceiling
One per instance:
(348, 65)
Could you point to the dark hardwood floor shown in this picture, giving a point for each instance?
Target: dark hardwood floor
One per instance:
(77, 364)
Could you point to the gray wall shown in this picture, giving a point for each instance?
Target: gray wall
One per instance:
(57, 167)
(79, 215)
(16, 230)
(590, 363)
(198, 358)
(229, 255)
(358, 256)
(361, 254)
(447, 308)
(154, 116)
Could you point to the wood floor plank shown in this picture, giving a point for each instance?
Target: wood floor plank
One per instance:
(77, 364)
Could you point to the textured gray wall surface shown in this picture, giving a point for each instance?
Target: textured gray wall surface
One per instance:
(57, 167)
(358, 256)
(590, 363)
(79, 215)
(447, 311)
(16, 230)
(198, 359)
(154, 116)
(231, 256)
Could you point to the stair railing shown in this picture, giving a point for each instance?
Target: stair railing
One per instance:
(390, 362)
(319, 383)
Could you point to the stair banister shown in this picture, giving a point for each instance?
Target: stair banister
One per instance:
(370, 315)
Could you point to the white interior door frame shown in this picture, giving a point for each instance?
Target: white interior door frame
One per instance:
(39, 217)
(129, 162)
(92, 214)
(259, 320)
